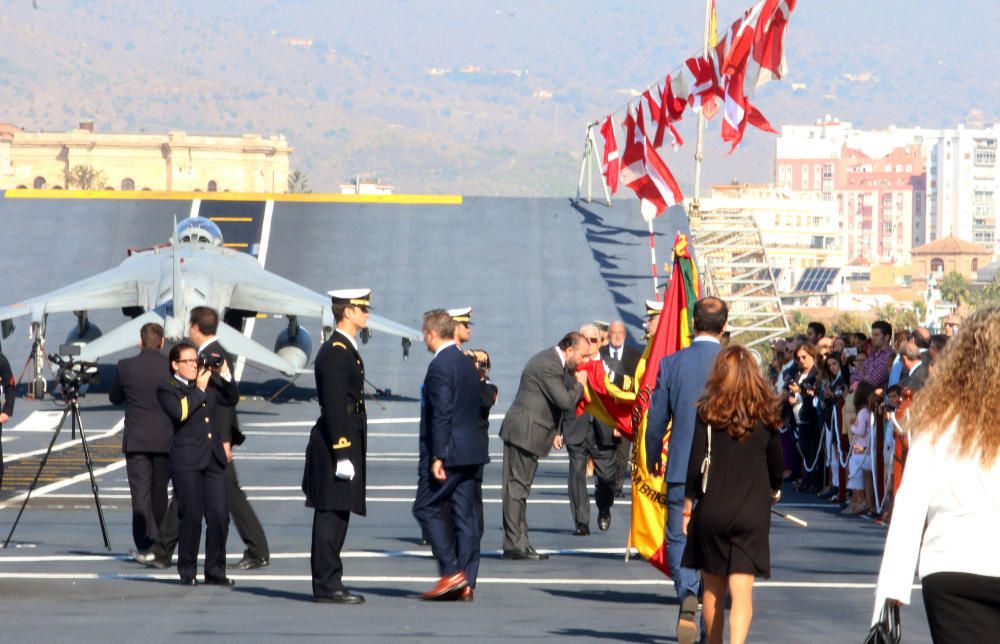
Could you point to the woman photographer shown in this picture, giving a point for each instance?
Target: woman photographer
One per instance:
(728, 530)
(947, 512)
(198, 461)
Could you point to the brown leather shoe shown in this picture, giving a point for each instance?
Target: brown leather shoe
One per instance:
(447, 585)
(467, 594)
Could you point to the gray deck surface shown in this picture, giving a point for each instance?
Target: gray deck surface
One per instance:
(532, 269)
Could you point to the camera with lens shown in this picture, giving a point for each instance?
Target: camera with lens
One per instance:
(73, 374)
(210, 361)
(481, 360)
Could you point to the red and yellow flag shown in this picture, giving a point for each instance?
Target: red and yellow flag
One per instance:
(673, 332)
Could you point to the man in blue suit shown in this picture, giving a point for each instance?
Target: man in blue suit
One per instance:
(679, 384)
(454, 447)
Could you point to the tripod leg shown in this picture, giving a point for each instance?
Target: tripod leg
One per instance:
(34, 481)
(78, 422)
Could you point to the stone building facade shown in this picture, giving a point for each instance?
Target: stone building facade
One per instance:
(175, 161)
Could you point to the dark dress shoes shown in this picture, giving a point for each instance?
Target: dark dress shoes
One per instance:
(604, 521)
(582, 530)
(189, 581)
(529, 554)
(467, 594)
(226, 582)
(340, 597)
(151, 559)
(249, 563)
(447, 585)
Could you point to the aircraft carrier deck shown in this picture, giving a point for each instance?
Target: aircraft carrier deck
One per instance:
(532, 269)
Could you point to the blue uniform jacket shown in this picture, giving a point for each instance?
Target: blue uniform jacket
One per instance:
(451, 427)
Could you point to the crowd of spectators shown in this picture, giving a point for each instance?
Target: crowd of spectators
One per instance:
(844, 398)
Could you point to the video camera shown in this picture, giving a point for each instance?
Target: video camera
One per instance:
(73, 374)
(210, 361)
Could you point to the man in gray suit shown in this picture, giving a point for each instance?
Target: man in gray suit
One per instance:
(679, 384)
(530, 430)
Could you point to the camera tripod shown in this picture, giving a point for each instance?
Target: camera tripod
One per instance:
(71, 411)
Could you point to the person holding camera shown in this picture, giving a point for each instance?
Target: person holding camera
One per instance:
(198, 460)
(7, 393)
(204, 323)
(148, 433)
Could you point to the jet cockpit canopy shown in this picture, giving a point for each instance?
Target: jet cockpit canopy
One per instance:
(199, 230)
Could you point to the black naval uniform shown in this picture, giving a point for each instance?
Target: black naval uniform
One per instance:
(7, 393)
(198, 470)
(340, 433)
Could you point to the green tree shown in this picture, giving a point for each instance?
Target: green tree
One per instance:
(991, 292)
(797, 322)
(298, 182)
(86, 177)
(955, 288)
(848, 322)
(898, 317)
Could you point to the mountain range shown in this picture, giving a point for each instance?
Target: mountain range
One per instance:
(487, 98)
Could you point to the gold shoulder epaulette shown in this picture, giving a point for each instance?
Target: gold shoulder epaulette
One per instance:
(340, 344)
(342, 443)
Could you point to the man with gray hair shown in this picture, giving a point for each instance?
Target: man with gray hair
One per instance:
(586, 437)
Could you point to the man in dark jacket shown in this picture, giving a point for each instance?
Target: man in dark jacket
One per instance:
(530, 430)
(454, 447)
(679, 383)
(334, 476)
(7, 393)
(148, 433)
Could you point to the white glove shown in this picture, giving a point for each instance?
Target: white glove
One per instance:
(345, 469)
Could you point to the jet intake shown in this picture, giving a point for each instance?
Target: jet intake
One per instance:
(294, 344)
(85, 331)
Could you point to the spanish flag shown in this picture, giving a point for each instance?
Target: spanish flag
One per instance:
(673, 332)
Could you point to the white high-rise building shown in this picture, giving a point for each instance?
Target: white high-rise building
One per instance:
(899, 187)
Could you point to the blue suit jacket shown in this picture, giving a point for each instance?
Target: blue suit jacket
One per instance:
(679, 384)
(451, 427)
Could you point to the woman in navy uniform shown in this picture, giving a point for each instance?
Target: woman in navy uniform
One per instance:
(334, 477)
(198, 461)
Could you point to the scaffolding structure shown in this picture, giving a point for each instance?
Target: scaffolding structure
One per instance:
(734, 266)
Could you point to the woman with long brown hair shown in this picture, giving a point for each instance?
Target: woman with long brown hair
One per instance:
(947, 511)
(728, 529)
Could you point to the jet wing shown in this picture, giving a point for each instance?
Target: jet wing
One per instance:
(118, 339)
(255, 289)
(114, 288)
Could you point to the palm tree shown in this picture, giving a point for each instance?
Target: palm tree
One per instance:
(298, 182)
(954, 288)
(991, 292)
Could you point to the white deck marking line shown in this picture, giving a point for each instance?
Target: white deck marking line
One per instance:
(265, 241)
(300, 498)
(195, 207)
(377, 459)
(38, 421)
(351, 554)
(378, 488)
(524, 581)
(58, 447)
(58, 485)
(371, 421)
(296, 434)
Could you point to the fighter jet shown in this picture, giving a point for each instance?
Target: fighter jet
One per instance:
(163, 283)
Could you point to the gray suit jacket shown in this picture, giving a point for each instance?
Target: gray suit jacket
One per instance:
(544, 394)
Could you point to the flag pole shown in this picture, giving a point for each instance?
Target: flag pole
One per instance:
(700, 138)
(652, 257)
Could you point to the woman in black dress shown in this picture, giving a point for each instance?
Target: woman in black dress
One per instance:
(727, 516)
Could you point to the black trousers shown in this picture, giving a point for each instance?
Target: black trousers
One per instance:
(247, 524)
(328, 534)
(606, 470)
(962, 607)
(622, 465)
(1, 456)
(810, 442)
(201, 495)
(148, 474)
(450, 513)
